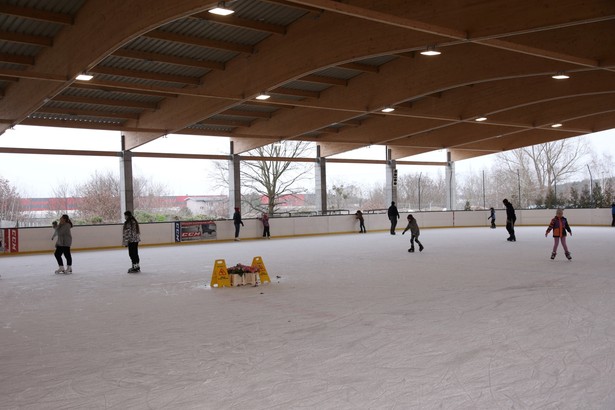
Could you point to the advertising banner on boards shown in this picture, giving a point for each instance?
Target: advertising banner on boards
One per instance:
(186, 231)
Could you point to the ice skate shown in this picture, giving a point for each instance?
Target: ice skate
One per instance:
(135, 268)
(421, 247)
(411, 250)
(60, 270)
(553, 255)
(69, 270)
(569, 256)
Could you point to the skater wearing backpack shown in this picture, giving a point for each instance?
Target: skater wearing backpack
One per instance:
(131, 236)
(560, 226)
(415, 231)
(63, 244)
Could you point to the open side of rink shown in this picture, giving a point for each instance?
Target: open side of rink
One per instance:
(349, 322)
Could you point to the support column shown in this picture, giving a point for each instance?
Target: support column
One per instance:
(234, 182)
(391, 179)
(320, 180)
(451, 184)
(126, 188)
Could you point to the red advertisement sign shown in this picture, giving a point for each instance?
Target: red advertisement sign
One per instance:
(11, 240)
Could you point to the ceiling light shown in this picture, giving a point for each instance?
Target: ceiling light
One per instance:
(263, 96)
(221, 10)
(481, 119)
(431, 51)
(84, 77)
(556, 125)
(388, 109)
(560, 76)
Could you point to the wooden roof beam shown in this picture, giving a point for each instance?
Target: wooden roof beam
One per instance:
(16, 59)
(249, 114)
(41, 41)
(320, 79)
(296, 92)
(36, 14)
(366, 68)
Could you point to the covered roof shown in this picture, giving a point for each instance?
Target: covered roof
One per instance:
(330, 67)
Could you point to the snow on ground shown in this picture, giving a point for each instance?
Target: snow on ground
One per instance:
(353, 322)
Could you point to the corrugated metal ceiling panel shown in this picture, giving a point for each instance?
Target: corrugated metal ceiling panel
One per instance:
(377, 61)
(205, 127)
(307, 86)
(19, 49)
(181, 50)
(30, 27)
(153, 67)
(113, 95)
(267, 12)
(75, 118)
(206, 29)
(99, 108)
(142, 81)
(337, 72)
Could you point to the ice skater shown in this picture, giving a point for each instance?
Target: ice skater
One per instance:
(511, 218)
(613, 214)
(393, 215)
(237, 222)
(63, 244)
(265, 220)
(359, 216)
(492, 217)
(131, 236)
(560, 227)
(415, 231)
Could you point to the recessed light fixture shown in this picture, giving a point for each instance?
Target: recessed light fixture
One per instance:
(263, 96)
(84, 77)
(481, 119)
(388, 109)
(560, 76)
(556, 125)
(431, 51)
(221, 9)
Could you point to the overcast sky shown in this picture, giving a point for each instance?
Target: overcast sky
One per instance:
(36, 175)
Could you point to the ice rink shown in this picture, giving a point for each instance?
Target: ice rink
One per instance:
(352, 322)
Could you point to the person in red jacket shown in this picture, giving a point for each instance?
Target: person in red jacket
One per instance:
(559, 226)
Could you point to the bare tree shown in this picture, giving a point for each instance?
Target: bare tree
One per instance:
(272, 180)
(61, 201)
(539, 167)
(10, 202)
(100, 198)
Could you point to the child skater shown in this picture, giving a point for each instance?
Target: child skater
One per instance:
(265, 220)
(415, 231)
(560, 226)
(492, 217)
(359, 216)
(63, 244)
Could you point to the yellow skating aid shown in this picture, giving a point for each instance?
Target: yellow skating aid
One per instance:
(257, 262)
(219, 275)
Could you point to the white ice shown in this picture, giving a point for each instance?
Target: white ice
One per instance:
(352, 322)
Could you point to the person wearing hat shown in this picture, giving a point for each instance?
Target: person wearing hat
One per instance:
(131, 236)
(237, 221)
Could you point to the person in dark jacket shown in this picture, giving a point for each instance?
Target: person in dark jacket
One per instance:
(63, 244)
(511, 218)
(359, 216)
(237, 221)
(415, 231)
(393, 214)
(131, 236)
(560, 226)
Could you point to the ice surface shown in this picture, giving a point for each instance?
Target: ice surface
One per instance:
(353, 322)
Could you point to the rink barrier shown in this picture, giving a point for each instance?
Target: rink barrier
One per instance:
(100, 237)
